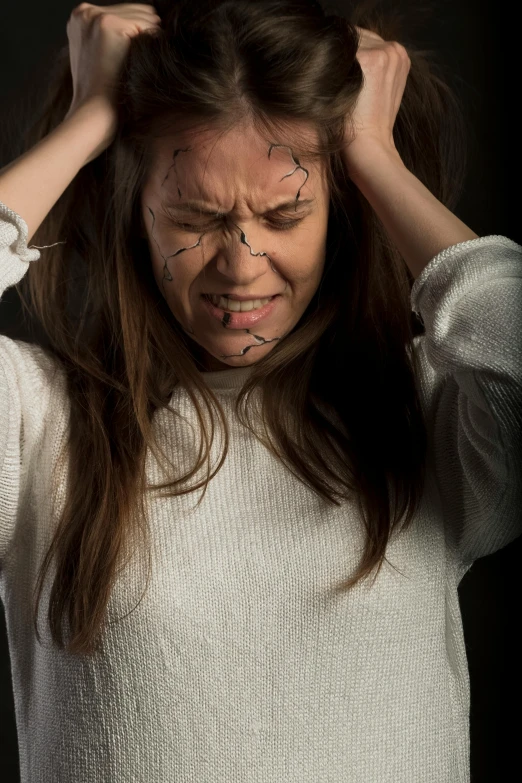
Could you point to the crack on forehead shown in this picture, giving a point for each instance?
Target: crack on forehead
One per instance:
(297, 167)
(173, 165)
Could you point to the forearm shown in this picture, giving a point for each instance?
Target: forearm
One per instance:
(416, 222)
(33, 183)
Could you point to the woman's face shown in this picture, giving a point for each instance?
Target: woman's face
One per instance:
(237, 240)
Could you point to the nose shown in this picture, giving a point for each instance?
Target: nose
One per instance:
(243, 259)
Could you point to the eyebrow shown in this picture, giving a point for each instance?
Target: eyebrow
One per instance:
(199, 207)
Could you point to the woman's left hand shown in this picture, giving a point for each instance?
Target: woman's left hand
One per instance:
(385, 65)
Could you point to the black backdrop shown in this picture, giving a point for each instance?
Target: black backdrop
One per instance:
(479, 44)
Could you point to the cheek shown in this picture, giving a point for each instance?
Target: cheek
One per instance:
(304, 261)
(167, 266)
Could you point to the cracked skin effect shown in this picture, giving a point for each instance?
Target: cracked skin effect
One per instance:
(167, 276)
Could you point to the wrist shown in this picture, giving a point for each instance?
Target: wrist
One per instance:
(99, 105)
(365, 154)
(94, 124)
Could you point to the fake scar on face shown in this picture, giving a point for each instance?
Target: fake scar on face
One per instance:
(166, 272)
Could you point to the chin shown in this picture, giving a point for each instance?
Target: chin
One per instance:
(233, 363)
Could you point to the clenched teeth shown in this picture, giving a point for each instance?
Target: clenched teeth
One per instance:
(234, 306)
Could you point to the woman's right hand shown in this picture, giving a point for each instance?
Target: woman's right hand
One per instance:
(99, 39)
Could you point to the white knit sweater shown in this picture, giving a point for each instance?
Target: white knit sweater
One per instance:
(238, 665)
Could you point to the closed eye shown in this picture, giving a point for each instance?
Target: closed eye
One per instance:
(277, 225)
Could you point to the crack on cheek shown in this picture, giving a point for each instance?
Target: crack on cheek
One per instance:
(173, 165)
(166, 273)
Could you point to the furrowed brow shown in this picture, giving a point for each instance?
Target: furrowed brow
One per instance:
(199, 208)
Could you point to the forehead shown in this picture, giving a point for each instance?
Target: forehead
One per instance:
(220, 167)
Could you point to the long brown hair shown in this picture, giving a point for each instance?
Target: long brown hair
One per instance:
(279, 63)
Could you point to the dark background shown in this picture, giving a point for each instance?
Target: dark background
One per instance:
(479, 45)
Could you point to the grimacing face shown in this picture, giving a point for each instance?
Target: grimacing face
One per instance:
(237, 240)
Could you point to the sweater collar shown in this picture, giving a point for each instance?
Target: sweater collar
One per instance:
(227, 379)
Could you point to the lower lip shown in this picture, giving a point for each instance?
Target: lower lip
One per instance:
(241, 320)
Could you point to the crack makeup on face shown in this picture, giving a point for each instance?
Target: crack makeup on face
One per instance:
(173, 165)
(167, 276)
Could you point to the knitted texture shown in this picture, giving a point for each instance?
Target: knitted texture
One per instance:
(239, 665)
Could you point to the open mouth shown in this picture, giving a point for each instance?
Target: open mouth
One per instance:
(239, 318)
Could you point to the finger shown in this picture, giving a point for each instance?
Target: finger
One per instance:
(139, 17)
(150, 18)
(137, 6)
(129, 9)
(130, 12)
(369, 33)
(123, 11)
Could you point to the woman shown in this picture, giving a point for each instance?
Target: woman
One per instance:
(194, 166)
